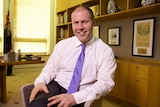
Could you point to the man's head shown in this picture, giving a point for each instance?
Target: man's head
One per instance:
(82, 23)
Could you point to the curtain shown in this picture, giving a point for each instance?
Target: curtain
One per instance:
(31, 26)
(1, 26)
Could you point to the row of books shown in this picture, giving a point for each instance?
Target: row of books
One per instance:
(62, 18)
(63, 32)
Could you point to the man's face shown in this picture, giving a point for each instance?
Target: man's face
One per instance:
(82, 25)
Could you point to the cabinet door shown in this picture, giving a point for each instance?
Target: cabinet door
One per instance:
(61, 5)
(154, 87)
(141, 92)
(131, 91)
(123, 81)
(141, 84)
(137, 84)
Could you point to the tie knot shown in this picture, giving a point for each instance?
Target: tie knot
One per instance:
(83, 46)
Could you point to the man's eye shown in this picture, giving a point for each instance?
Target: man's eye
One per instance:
(85, 22)
(75, 22)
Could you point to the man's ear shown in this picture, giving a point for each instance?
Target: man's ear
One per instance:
(94, 22)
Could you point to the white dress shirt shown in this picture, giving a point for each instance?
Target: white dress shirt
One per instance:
(98, 68)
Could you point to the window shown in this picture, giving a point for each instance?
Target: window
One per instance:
(31, 26)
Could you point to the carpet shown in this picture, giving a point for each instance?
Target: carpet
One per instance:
(19, 77)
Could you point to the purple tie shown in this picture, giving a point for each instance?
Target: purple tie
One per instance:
(74, 84)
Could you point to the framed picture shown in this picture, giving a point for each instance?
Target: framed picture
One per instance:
(143, 33)
(96, 31)
(114, 36)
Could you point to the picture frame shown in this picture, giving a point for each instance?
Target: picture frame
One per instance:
(143, 34)
(114, 36)
(96, 31)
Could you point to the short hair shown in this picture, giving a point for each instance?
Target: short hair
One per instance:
(88, 9)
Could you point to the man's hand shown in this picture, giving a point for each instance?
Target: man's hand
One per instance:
(36, 89)
(63, 100)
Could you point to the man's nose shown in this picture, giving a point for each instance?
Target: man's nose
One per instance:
(80, 26)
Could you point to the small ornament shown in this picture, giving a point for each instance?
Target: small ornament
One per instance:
(147, 2)
(111, 6)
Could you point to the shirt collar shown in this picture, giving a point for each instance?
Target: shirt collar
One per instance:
(88, 44)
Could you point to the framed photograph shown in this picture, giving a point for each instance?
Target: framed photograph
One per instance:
(114, 36)
(96, 31)
(143, 33)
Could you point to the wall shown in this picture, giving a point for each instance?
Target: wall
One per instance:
(126, 34)
(53, 23)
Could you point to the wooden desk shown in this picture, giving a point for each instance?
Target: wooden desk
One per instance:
(3, 89)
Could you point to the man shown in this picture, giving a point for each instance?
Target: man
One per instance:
(97, 73)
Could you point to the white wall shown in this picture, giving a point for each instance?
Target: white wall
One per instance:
(52, 24)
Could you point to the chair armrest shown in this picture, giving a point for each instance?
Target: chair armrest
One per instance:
(96, 103)
(25, 92)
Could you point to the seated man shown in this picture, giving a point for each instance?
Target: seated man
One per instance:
(96, 66)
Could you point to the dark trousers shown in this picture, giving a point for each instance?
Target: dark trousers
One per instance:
(41, 99)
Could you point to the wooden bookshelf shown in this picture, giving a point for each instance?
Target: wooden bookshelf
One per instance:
(128, 8)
